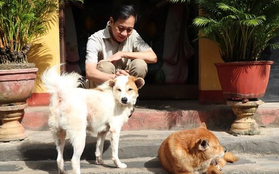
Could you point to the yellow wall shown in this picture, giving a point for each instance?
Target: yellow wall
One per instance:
(45, 52)
(208, 55)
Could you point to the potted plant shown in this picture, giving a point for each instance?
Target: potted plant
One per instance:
(21, 22)
(242, 30)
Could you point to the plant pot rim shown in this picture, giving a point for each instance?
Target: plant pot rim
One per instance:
(13, 71)
(263, 62)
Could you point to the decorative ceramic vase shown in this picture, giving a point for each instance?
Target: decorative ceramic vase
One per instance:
(10, 117)
(16, 87)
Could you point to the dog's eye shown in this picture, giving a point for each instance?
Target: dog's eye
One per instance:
(130, 89)
(119, 90)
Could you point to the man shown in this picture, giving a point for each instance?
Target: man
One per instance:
(118, 49)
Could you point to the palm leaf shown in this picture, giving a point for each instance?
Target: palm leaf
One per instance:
(242, 29)
(21, 21)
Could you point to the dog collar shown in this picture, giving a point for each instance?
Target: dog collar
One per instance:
(132, 111)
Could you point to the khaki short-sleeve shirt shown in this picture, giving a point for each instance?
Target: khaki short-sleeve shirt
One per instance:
(100, 46)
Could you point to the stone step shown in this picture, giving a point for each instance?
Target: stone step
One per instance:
(247, 164)
(170, 114)
(133, 144)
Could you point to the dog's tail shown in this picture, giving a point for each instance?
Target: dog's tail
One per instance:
(230, 157)
(55, 82)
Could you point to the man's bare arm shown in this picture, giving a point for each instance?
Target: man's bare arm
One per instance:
(148, 56)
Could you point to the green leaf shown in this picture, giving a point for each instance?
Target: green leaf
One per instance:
(242, 29)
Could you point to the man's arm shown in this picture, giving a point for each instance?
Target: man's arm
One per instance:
(92, 73)
(148, 56)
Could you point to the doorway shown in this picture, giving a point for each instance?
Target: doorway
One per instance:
(166, 27)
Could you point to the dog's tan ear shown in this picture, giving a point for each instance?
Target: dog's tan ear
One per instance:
(203, 125)
(139, 82)
(111, 83)
(203, 145)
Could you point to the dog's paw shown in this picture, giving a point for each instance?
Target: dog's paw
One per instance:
(62, 172)
(99, 161)
(121, 165)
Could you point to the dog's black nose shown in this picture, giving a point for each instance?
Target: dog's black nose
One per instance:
(124, 100)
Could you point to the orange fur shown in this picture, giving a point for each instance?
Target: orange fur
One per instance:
(190, 151)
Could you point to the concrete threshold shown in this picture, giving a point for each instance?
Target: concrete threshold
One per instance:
(170, 115)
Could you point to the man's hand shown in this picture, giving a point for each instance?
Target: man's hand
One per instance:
(121, 72)
(116, 57)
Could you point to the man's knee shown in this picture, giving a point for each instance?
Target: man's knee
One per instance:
(106, 67)
(138, 68)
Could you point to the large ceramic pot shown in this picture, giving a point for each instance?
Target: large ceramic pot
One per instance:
(244, 80)
(16, 85)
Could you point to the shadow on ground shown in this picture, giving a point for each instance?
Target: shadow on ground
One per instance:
(155, 166)
(47, 152)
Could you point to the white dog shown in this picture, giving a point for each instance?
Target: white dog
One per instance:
(74, 111)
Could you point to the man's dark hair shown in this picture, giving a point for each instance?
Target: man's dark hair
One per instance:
(124, 12)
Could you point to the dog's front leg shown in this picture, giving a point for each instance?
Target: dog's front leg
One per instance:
(100, 147)
(115, 134)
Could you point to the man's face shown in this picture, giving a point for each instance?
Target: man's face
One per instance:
(122, 28)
